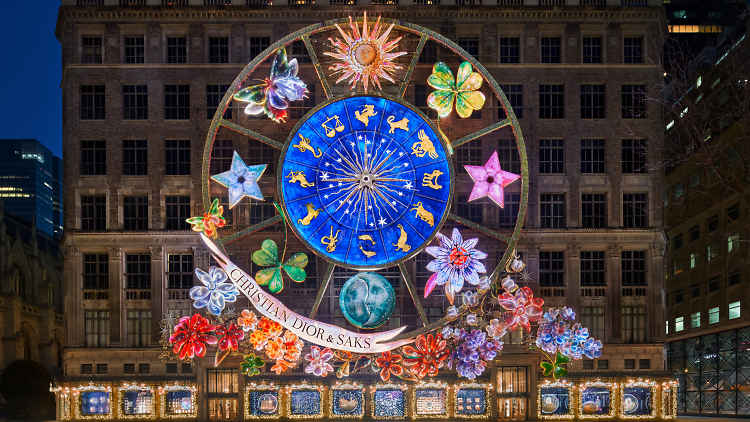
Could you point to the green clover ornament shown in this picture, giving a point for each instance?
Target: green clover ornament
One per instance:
(556, 368)
(251, 365)
(269, 255)
(464, 90)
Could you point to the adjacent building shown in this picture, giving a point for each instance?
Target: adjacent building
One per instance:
(142, 81)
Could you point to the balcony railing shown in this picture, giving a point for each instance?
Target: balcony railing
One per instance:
(174, 2)
(552, 292)
(89, 2)
(132, 2)
(96, 295)
(178, 294)
(593, 292)
(139, 294)
(634, 291)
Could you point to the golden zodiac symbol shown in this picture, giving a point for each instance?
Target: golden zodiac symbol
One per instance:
(331, 240)
(368, 112)
(338, 128)
(402, 124)
(366, 237)
(430, 180)
(368, 254)
(311, 214)
(401, 244)
(299, 176)
(425, 146)
(423, 214)
(304, 145)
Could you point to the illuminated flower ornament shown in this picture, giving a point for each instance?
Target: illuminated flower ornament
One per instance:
(489, 180)
(247, 320)
(210, 221)
(457, 261)
(215, 292)
(191, 335)
(318, 359)
(274, 94)
(428, 355)
(560, 342)
(523, 308)
(464, 90)
(229, 342)
(241, 180)
(496, 329)
(388, 363)
(364, 56)
(473, 353)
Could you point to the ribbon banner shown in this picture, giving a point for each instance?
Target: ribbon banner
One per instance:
(315, 332)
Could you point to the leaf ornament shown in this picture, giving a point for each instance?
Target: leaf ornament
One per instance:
(362, 362)
(464, 91)
(209, 221)
(345, 367)
(556, 368)
(251, 364)
(268, 255)
(274, 94)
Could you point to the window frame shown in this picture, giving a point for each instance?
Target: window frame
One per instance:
(547, 217)
(178, 150)
(553, 108)
(177, 101)
(593, 101)
(97, 101)
(94, 150)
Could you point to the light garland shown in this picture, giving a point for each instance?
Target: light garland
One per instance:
(91, 388)
(668, 400)
(472, 386)
(611, 388)
(270, 388)
(63, 398)
(624, 401)
(427, 386)
(305, 386)
(164, 392)
(354, 388)
(125, 388)
(374, 389)
(556, 384)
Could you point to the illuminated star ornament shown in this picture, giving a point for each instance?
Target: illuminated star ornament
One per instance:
(489, 180)
(241, 180)
(364, 56)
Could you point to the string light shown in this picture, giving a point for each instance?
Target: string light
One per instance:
(269, 388)
(376, 405)
(612, 390)
(639, 383)
(668, 402)
(91, 388)
(63, 398)
(353, 388)
(555, 384)
(125, 388)
(431, 386)
(176, 387)
(305, 386)
(472, 386)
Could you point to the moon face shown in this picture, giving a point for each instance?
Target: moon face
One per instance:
(367, 300)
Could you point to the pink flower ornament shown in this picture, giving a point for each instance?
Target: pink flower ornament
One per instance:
(523, 308)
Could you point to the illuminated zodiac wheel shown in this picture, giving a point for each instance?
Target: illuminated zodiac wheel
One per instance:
(365, 179)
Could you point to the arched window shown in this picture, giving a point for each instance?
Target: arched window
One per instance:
(20, 284)
(26, 345)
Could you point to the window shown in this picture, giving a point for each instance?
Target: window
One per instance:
(733, 212)
(138, 271)
(592, 155)
(553, 210)
(97, 329)
(712, 252)
(633, 156)
(695, 258)
(469, 154)
(298, 109)
(593, 318)
(101, 369)
(677, 267)
(629, 363)
(176, 102)
(713, 315)
(633, 101)
(634, 210)
(179, 271)
(93, 158)
(260, 153)
(713, 223)
(695, 179)
(299, 51)
(86, 369)
(129, 368)
(177, 155)
(551, 269)
(733, 278)
(135, 212)
(678, 241)
(470, 44)
(734, 310)
(588, 364)
(92, 50)
(514, 94)
(551, 102)
(429, 52)
(218, 49)
(134, 157)
(214, 94)
(633, 267)
(592, 49)
(644, 363)
(468, 210)
(177, 50)
(134, 50)
(679, 324)
(509, 213)
(421, 92)
(178, 209)
(733, 243)
(551, 156)
(171, 368)
(602, 364)
(713, 284)
(92, 102)
(507, 153)
(695, 233)
(551, 50)
(634, 324)
(666, 325)
(695, 290)
(695, 320)
(512, 379)
(221, 156)
(261, 211)
(678, 190)
(135, 102)
(139, 328)
(592, 101)
(94, 212)
(144, 368)
(678, 294)
(95, 271)
(632, 50)
(510, 50)
(258, 44)
(187, 368)
(593, 212)
(592, 268)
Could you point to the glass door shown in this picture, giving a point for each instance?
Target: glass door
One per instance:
(512, 408)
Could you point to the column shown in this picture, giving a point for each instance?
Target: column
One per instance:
(158, 287)
(573, 275)
(116, 311)
(73, 296)
(655, 330)
(612, 315)
(531, 259)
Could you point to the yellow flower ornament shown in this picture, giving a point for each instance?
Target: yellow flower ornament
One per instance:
(464, 90)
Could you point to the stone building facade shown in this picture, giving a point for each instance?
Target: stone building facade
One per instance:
(132, 174)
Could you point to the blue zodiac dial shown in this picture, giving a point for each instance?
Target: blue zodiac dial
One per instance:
(365, 181)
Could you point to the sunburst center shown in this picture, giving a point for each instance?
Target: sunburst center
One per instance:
(366, 54)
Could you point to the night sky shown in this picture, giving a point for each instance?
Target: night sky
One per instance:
(31, 106)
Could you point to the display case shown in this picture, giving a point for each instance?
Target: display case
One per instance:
(597, 400)
(638, 399)
(135, 401)
(304, 401)
(555, 400)
(472, 400)
(388, 401)
(262, 401)
(92, 402)
(430, 400)
(178, 401)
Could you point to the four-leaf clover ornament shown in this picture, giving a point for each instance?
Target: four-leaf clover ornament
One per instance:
(269, 255)
(464, 90)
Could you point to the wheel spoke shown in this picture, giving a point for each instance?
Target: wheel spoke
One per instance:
(413, 293)
(322, 290)
(318, 68)
(479, 228)
(251, 134)
(410, 70)
(480, 133)
(252, 229)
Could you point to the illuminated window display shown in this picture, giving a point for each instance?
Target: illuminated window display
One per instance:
(263, 403)
(95, 403)
(388, 401)
(304, 401)
(596, 400)
(135, 402)
(554, 400)
(472, 400)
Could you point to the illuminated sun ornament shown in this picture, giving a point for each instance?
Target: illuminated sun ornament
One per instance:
(364, 56)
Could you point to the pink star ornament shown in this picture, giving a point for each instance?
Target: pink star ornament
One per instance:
(489, 180)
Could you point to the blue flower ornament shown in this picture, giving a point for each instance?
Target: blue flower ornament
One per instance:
(215, 292)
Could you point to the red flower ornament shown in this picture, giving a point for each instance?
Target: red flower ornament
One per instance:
(523, 308)
(232, 334)
(190, 336)
(428, 356)
(387, 364)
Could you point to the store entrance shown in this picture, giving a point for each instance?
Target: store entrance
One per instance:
(222, 409)
(512, 408)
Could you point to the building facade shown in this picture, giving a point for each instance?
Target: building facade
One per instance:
(575, 75)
